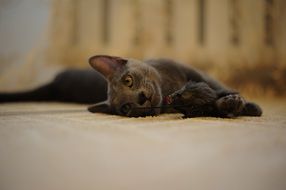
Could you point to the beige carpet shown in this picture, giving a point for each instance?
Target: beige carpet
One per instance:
(46, 146)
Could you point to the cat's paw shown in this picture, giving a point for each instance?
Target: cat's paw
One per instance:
(251, 109)
(230, 105)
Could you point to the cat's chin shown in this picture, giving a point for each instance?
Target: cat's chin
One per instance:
(146, 112)
(152, 108)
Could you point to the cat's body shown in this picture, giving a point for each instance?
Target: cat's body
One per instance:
(78, 86)
(137, 88)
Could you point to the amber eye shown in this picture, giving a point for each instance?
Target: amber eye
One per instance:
(128, 81)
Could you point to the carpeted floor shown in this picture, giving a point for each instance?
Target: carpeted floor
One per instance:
(53, 146)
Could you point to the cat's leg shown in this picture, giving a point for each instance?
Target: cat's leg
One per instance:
(195, 99)
(234, 105)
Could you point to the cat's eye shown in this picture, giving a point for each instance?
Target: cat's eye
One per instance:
(125, 109)
(128, 81)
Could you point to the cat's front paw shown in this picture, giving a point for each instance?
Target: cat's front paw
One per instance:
(230, 105)
(251, 109)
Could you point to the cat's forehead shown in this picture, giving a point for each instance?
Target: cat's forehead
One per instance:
(134, 65)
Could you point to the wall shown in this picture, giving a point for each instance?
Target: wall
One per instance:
(23, 41)
(232, 39)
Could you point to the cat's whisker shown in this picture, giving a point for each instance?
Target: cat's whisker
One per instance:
(173, 106)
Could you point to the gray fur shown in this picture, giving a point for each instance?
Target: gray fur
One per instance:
(156, 79)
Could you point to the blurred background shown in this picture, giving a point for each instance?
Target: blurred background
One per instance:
(241, 42)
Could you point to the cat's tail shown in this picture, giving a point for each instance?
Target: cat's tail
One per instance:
(43, 93)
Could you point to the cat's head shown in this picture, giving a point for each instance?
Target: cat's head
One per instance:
(133, 86)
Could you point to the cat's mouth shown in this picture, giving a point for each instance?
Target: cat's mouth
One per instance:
(145, 111)
(149, 111)
(132, 110)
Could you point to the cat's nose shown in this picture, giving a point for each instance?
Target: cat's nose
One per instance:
(142, 98)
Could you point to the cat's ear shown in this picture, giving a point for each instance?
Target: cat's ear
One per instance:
(107, 65)
(101, 107)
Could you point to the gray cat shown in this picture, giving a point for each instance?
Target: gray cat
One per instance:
(136, 88)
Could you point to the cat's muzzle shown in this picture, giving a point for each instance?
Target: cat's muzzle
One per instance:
(132, 110)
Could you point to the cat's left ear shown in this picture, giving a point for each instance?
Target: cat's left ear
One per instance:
(101, 107)
(107, 65)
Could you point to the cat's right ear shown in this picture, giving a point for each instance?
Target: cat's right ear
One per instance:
(107, 65)
(101, 107)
